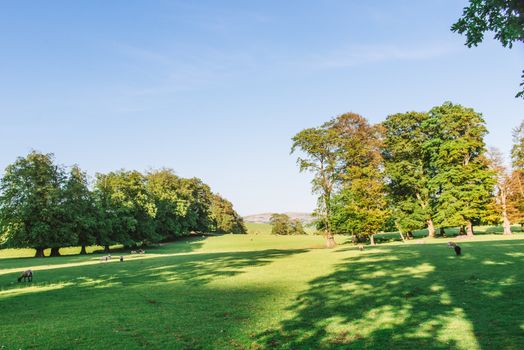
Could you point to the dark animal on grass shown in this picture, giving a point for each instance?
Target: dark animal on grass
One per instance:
(26, 276)
(456, 248)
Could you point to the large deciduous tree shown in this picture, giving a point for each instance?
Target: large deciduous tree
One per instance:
(408, 171)
(127, 209)
(359, 208)
(31, 210)
(225, 219)
(79, 208)
(462, 181)
(344, 157)
(505, 18)
(503, 204)
(319, 156)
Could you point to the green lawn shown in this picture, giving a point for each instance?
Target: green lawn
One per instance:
(267, 292)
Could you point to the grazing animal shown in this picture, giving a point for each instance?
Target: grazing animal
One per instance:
(133, 252)
(141, 251)
(105, 258)
(455, 247)
(361, 247)
(26, 276)
(121, 258)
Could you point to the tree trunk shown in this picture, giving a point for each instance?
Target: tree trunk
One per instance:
(462, 230)
(442, 232)
(330, 241)
(431, 229)
(402, 236)
(55, 251)
(372, 239)
(39, 253)
(409, 234)
(106, 249)
(469, 229)
(83, 250)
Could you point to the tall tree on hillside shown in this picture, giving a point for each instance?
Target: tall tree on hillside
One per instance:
(79, 208)
(319, 156)
(463, 182)
(225, 219)
(505, 18)
(31, 215)
(503, 189)
(408, 172)
(360, 207)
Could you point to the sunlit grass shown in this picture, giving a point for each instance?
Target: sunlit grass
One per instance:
(271, 292)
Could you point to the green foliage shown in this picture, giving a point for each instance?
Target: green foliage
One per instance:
(80, 207)
(281, 224)
(31, 210)
(462, 180)
(128, 207)
(407, 169)
(505, 18)
(319, 156)
(344, 155)
(42, 207)
(517, 150)
(225, 219)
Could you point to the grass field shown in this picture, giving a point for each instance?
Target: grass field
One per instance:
(261, 228)
(270, 292)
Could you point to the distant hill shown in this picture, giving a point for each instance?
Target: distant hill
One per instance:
(264, 218)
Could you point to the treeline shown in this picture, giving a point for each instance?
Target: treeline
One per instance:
(44, 205)
(415, 170)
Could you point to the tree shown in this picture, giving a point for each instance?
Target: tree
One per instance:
(172, 206)
(297, 228)
(408, 171)
(281, 224)
(319, 157)
(517, 150)
(31, 214)
(360, 206)
(505, 18)
(503, 189)
(225, 219)
(462, 180)
(127, 209)
(79, 208)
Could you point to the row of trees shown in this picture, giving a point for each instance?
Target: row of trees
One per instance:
(415, 170)
(44, 206)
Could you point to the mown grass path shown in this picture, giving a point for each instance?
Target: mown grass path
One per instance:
(266, 292)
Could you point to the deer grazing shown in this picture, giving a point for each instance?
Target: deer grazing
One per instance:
(26, 276)
(455, 247)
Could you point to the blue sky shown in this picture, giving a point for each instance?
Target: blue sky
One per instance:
(216, 89)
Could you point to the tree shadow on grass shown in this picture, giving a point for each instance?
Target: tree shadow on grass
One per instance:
(416, 297)
(156, 302)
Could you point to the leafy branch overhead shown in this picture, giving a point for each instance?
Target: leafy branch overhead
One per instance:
(505, 18)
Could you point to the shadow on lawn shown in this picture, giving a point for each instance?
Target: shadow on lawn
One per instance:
(415, 297)
(191, 269)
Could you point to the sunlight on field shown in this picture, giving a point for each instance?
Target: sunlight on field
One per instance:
(267, 292)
